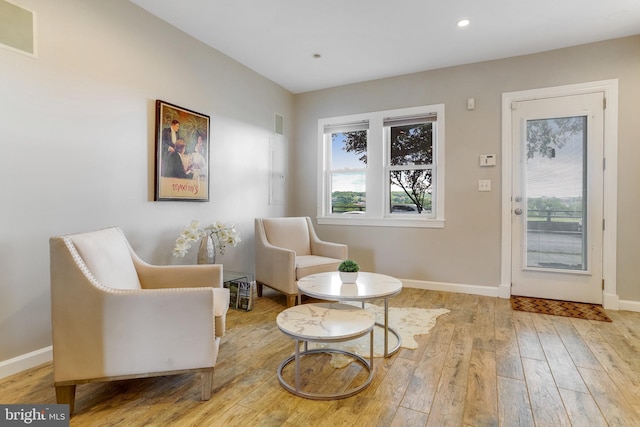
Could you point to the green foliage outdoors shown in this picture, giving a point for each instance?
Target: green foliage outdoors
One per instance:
(545, 135)
(410, 145)
(348, 201)
(566, 209)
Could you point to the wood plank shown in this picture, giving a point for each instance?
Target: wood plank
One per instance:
(621, 371)
(615, 408)
(576, 346)
(513, 403)
(397, 380)
(585, 329)
(481, 402)
(543, 323)
(448, 406)
(546, 403)
(622, 339)
(508, 361)
(564, 371)
(484, 334)
(527, 337)
(407, 417)
(426, 377)
(582, 409)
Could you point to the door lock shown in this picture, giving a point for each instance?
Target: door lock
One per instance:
(518, 211)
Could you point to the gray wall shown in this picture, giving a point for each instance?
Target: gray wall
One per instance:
(467, 250)
(77, 128)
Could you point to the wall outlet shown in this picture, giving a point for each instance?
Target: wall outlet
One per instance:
(484, 185)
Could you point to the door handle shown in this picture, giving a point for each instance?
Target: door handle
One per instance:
(518, 211)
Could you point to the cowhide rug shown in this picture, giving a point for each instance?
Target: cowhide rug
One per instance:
(407, 322)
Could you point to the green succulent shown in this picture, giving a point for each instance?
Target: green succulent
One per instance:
(349, 266)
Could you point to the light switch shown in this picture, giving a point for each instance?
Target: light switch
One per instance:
(471, 104)
(484, 185)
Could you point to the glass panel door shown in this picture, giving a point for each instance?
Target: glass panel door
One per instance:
(557, 188)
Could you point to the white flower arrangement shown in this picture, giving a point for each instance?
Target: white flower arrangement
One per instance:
(221, 233)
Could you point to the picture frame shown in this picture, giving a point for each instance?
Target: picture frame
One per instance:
(182, 140)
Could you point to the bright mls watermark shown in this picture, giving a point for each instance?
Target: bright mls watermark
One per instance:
(37, 415)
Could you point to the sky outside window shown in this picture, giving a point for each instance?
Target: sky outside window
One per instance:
(342, 160)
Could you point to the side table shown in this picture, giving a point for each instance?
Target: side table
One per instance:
(325, 322)
(328, 286)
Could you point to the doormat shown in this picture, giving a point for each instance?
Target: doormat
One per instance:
(577, 310)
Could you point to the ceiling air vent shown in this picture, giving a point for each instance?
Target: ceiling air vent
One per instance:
(17, 29)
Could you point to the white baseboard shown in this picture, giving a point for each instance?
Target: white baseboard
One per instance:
(504, 291)
(611, 302)
(25, 361)
(488, 291)
(629, 305)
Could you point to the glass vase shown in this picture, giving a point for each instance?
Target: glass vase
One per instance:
(207, 251)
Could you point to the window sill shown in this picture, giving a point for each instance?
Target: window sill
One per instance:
(382, 222)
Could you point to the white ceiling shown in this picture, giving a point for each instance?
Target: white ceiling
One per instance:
(363, 40)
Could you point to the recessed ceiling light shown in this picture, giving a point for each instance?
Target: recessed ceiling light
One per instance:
(463, 22)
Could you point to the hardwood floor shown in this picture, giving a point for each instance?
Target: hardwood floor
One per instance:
(482, 365)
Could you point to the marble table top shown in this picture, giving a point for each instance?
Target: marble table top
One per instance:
(367, 286)
(325, 322)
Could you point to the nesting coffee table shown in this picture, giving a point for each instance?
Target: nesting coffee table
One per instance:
(328, 286)
(325, 323)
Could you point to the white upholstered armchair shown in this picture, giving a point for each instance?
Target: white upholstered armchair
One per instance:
(116, 317)
(288, 249)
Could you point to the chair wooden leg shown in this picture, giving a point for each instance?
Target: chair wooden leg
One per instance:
(66, 394)
(259, 289)
(291, 300)
(207, 384)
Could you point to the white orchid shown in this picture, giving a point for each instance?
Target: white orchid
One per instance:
(221, 233)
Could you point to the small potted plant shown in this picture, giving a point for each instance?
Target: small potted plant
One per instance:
(348, 270)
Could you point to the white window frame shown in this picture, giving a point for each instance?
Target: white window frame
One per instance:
(377, 185)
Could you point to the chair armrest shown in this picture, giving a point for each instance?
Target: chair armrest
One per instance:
(122, 332)
(177, 323)
(275, 266)
(178, 276)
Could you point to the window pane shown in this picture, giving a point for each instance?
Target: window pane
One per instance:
(348, 192)
(349, 150)
(410, 191)
(412, 144)
(556, 182)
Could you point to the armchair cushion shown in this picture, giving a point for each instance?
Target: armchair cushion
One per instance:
(107, 257)
(289, 233)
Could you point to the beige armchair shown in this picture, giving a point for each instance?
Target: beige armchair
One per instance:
(116, 317)
(288, 249)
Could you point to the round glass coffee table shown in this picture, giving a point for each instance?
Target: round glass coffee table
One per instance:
(328, 286)
(324, 323)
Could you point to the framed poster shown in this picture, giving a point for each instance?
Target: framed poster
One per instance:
(182, 154)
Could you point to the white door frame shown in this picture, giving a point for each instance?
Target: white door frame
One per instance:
(610, 88)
